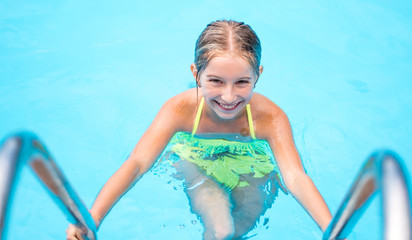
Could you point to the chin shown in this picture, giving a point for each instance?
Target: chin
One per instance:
(227, 116)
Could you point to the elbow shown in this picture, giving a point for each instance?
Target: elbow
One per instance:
(290, 184)
(130, 172)
(294, 181)
(137, 167)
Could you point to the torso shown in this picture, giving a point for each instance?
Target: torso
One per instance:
(228, 143)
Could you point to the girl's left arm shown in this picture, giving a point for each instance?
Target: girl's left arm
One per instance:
(294, 176)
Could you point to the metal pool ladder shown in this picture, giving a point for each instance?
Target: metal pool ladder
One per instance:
(25, 148)
(385, 172)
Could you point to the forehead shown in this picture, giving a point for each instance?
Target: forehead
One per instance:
(230, 66)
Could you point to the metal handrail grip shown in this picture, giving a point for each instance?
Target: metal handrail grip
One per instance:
(25, 148)
(383, 171)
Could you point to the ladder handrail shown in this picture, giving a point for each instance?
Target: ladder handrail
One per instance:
(26, 148)
(383, 171)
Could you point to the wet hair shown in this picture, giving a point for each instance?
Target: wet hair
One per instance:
(224, 36)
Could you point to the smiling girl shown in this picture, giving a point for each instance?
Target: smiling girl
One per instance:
(233, 147)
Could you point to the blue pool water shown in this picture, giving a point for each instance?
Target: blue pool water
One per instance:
(89, 76)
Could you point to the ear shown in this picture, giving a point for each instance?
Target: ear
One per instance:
(260, 73)
(194, 72)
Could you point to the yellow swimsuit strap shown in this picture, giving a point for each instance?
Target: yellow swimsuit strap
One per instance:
(199, 113)
(197, 119)
(250, 121)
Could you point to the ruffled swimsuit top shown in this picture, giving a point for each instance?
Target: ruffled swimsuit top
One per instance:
(226, 160)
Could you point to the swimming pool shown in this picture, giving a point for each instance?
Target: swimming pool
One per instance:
(88, 78)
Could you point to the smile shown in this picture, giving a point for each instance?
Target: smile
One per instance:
(228, 107)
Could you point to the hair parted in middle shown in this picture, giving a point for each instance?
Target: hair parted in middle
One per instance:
(227, 36)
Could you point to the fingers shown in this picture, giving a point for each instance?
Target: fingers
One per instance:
(74, 232)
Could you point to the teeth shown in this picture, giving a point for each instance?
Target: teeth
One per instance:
(228, 106)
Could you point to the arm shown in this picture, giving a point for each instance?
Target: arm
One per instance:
(296, 180)
(142, 158)
(144, 155)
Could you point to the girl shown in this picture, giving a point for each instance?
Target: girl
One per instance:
(222, 136)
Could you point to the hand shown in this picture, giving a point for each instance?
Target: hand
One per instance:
(75, 232)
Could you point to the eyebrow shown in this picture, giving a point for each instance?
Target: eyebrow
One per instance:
(214, 76)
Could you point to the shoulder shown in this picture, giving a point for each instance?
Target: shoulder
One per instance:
(180, 109)
(265, 109)
(268, 117)
(183, 103)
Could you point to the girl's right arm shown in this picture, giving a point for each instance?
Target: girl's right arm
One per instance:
(170, 119)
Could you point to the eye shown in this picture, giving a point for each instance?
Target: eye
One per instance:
(243, 82)
(215, 80)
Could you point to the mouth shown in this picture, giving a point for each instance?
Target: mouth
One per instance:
(228, 107)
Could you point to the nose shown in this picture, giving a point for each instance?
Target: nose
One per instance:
(228, 94)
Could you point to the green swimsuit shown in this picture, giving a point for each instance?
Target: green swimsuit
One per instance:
(226, 160)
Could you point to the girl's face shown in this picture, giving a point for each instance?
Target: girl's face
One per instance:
(227, 85)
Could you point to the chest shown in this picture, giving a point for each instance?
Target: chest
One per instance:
(238, 126)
